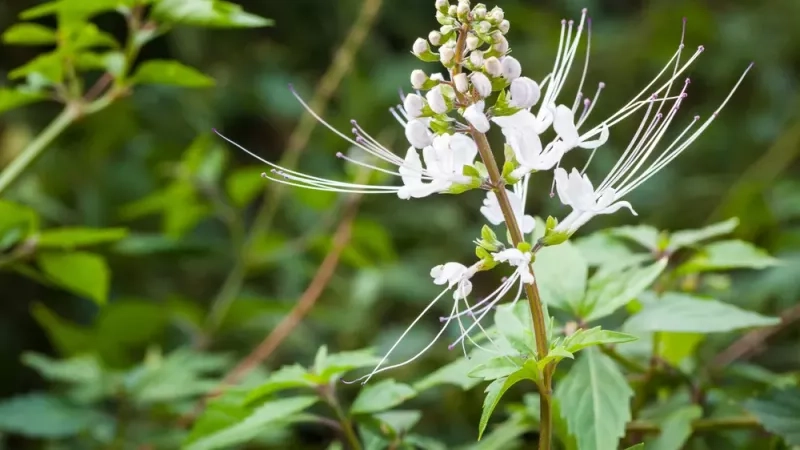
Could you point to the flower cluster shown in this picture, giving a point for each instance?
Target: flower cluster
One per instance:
(447, 117)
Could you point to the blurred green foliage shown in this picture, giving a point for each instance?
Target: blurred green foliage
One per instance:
(116, 243)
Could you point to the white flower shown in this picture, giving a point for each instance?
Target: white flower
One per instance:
(524, 93)
(418, 133)
(435, 37)
(504, 26)
(576, 190)
(494, 214)
(436, 100)
(413, 105)
(446, 55)
(564, 125)
(501, 45)
(475, 116)
(444, 161)
(492, 66)
(473, 42)
(520, 260)
(512, 69)
(454, 274)
(420, 46)
(482, 84)
(418, 79)
(521, 131)
(437, 77)
(496, 15)
(461, 82)
(476, 58)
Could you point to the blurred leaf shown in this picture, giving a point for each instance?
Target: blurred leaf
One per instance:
(14, 98)
(80, 369)
(644, 235)
(639, 446)
(70, 339)
(381, 396)
(498, 388)
(455, 373)
(685, 313)
(170, 73)
(498, 367)
(247, 429)
(244, 185)
(613, 289)
(594, 336)
(16, 222)
(287, 377)
(339, 363)
(47, 66)
(399, 422)
(82, 273)
(130, 322)
(675, 347)
(74, 10)
(779, 412)
(69, 238)
(180, 375)
(44, 416)
(600, 248)
(87, 36)
(595, 401)
(676, 429)
(726, 255)
(206, 13)
(221, 412)
(29, 34)
(561, 274)
(687, 238)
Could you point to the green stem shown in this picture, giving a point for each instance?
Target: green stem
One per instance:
(35, 148)
(329, 395)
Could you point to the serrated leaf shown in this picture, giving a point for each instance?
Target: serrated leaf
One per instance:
(779, 412)
(561, 273)
(644, 235)
(613, 289)
(676, 429)
(82, 273)
(206, 13)
(595, 401)
(554, 355)
(498, 367)
(14, 98)
(685, 313)
(498, 388)
(381, 396)
(170, 72)
(727, 255)
(69, 238)
(514, 324)
(29, 34)
(594, 336)
(686, 238)
(269, 413)
(42, 415)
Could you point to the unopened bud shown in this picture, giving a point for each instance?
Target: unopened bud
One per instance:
(446, 55)
(473, 42)
(483, 27)
(436, 100)
(442, 4)
(461, 82)
(418, 134)
(493, 67)
(504, 26)
(476, 58)
(413, 105)
(501, 46)
(443, 18)
(482, 84)
(420, 46)
(435, 37)
(437, 77)
(462, 10)
(511, 68)
(475, 116)
(479, 12)
(418, 79)
(452, 10)
(446, 29)
(524, 93)
(497, 15)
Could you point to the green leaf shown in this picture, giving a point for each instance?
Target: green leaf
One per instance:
(455, 373)
(287, 377)
(514, 322)
(639, 446)
(561, 273)
(779, 412)
(29, 34)
(243, 185)
(726, 255)
(498, 367)
(339, 363)
(69, 238)
(613, 289)
(206, 13)
(170, 72)
(44, 416)
(644, 235)
(675, 347)
(594, 336)
(14, 98)
(685, 313)
(267, 414)
(601, 248)
(67, 337)
(80, 369)
(498, 388)
(595, 401)
(16, 222)
(381, 396)
(676, 429)
(85, 274)
(221, 412)
(687, 238)
(71, 10)
(48, 66)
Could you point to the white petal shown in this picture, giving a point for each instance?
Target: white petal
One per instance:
(464, 151)
(617, 206)
(512, 255)
(436, 100)
(481, 83)
(564, 124)
(524, 93)
(525, 275)
(596, 142)
(562, 186)
(413, 105)
(512, 69)
(418, 134)
(475, 116)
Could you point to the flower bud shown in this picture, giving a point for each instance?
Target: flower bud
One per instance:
(420, 47)
(511, 68)
(473, 42)
(452, 10)
(446, 55)
(524, 93)
(493, 67)
(483, 27)
(437, 77)
(446, 29)
(418, 79)
(418, 134)
(476, 58)
(504, 26)
(475, 116)
(413, 105)
(461, 82)
(443, 18)
(501, 46)
(435, 37)
(442, 4)
(462, 10)
(482, 84)
(436, 100)
(497, 15)
(479, 12)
